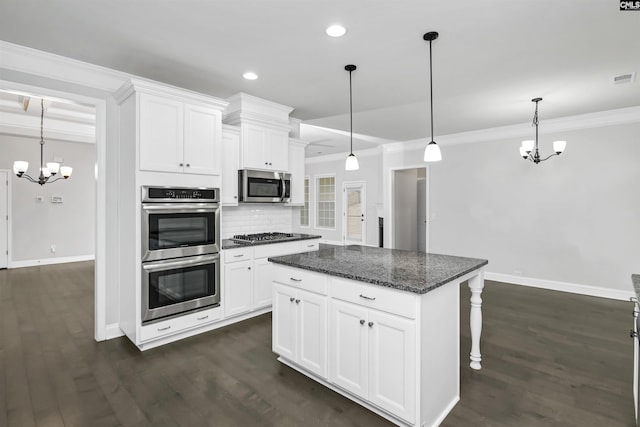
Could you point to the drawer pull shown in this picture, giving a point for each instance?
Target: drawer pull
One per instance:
(362, 321)
(370, 324)
(238, 256)
(202, 318)
(295, 280)
(310, 246)
(164, 329)
(291, 299)
(366, 297)
(297, 301)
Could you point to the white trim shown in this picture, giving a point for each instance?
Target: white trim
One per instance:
(306, 178)
(331, 242)
(574, 288)
(113, 331)
(335, 200)
(583, 121)
(51, 261)
(342, 156)
(390, 203)
(8, 236)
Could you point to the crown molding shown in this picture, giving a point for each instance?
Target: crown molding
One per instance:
(369, 152)
(165, 90)
(617, 117)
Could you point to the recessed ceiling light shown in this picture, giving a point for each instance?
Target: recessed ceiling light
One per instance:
(250, 76)
(336, 31)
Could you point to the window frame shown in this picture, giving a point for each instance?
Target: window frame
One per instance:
(317, 201)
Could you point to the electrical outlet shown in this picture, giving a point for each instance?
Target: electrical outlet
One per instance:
(53, 249)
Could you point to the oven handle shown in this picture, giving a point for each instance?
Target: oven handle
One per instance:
(180, 262)
(180, 207)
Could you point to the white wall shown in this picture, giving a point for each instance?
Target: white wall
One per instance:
(574, 219)
(35, 225)
(369, 172)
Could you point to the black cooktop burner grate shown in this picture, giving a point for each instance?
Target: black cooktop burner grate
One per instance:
(261, 237)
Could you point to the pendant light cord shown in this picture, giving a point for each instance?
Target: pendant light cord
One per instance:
(350, 114)
(431, 86)
(41, 137)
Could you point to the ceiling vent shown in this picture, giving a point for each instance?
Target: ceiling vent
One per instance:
(624, 78)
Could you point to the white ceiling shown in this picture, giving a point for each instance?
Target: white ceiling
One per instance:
(492, 57)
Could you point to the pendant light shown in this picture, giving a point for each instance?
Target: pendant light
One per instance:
(20, 167)
(432, 151)
(352, 161)
(529, 148)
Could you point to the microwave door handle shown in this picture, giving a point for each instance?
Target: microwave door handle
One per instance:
(284, 189)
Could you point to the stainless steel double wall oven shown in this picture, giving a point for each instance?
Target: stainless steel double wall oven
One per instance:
(180, 250)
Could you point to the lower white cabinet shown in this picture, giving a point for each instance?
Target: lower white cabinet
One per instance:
(237, 287)
(373, 356)
(262, 283)
(300, 327)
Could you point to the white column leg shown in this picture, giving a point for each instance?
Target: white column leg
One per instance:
(476, 283)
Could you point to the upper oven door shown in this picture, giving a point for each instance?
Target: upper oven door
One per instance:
(264, 187)
(173, 230)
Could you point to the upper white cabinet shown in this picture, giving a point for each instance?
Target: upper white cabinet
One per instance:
(175, 130)
(296, 167)
(264, 148)
(230, 165)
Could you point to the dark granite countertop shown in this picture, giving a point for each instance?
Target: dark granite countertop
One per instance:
(232, 244)
(635, 278)
(416, 272)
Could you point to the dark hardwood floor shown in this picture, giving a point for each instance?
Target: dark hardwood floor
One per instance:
(549, 359)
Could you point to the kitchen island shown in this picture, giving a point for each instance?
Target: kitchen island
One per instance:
(380, 326)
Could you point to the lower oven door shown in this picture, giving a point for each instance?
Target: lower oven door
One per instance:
(179, 285)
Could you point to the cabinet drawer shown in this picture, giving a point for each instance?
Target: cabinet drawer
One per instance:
(378, 297)
(277, 249)
(235, 255)
(309, 245)
(302, 279)
(178, 324)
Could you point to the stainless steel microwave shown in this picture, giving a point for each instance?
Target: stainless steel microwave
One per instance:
(264, 186)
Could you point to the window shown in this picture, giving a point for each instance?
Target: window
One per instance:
(326, 205)
(304, 211)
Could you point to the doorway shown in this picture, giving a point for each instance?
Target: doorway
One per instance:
(409, 209)
(4, 218)
(354, 224)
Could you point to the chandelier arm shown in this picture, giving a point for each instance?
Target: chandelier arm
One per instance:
(57, 179)
(24, 175)
(548, 157)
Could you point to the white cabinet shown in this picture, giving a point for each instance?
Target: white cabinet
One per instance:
(230, 165)
(264, 148)
(262, 281)
(238, 286)
(177, 136)
(300, 327)
(296, 167)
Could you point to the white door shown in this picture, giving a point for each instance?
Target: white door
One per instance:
(278, 150)
(262, 283)
(421, 197)
(230, 166)
(353, 206)
(161, 134)
(392, 364)
(312, 332)
(284, 321)
(349, 335)
(238, 283)
(202, 134)
(4, 218)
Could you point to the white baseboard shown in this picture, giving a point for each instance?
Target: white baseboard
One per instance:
(113, 331)
(332, 242)
(574, 288)
(49, 261)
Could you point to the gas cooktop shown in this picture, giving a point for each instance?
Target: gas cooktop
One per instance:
(262, 237)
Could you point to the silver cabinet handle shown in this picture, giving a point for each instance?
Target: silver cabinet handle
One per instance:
(188, 165)
(295, 280)
(248, 268)
(366, 297)
(235, 197)
(370, 324)
(269, 163)
(165, 328)
(310, 246)
(291, 299)
(181, 164)
(204, 317)
(297, 301)
(362, 321)
(266, 163)
(238, 256)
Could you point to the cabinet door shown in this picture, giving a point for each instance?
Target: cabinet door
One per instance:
(230, 166)
(278, 150)
(238, 284)
(392, 364)
(348, 337)
(202, 129)
(296, 167)
(312, 332)
(262, 283)
(284, 321)
(255, 140)
(161, 134)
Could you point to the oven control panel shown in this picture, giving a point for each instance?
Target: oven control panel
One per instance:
(180, 194)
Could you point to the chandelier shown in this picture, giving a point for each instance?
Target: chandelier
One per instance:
(529, 148)
(20, 167)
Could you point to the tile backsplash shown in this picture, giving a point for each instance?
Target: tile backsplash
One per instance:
(255, 218)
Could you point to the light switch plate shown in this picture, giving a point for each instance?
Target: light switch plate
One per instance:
(56, 199)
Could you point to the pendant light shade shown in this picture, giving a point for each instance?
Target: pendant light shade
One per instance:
(432, 151)
(351, 164)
